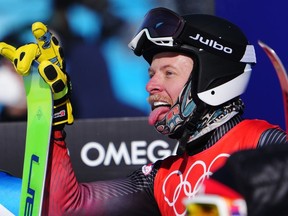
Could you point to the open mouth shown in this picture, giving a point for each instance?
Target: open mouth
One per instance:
(159, 110)
(157, 104)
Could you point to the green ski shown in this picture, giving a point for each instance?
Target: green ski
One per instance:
(39, 123)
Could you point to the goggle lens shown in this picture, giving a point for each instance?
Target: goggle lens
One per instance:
(161, 22)
(198, 209)
(213, 205)
(160, 26)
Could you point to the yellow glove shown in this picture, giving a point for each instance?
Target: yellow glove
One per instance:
(48, 52)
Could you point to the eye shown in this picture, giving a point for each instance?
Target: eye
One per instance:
(169, 73)
(151, 74)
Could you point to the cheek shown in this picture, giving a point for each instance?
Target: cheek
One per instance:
(176, 88)
(175, 92)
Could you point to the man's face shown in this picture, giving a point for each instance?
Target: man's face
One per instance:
(169, 73)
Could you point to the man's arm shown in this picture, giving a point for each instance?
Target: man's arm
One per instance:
(272, 136)
(64, 195)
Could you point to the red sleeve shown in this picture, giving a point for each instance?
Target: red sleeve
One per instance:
(65, 196)
(61, 184)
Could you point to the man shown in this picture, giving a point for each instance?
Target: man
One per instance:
(199, 66)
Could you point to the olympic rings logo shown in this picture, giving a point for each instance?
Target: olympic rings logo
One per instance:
(185, 185)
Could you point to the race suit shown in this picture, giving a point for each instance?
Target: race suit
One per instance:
(156, 189)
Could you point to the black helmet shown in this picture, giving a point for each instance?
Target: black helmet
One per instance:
(221, 51)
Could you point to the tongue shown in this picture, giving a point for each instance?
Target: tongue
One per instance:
(154, 115)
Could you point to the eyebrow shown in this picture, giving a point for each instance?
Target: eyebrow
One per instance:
(163, 67)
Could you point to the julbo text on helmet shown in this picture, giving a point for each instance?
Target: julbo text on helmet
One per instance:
(219, 48)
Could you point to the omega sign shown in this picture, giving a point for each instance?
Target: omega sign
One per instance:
(136, 153)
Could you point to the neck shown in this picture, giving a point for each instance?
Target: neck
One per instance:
(202, 131)
(210, 138)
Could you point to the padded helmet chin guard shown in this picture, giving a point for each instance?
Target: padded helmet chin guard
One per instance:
(220, 50)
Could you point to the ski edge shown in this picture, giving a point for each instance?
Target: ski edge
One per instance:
(281, 74)
(278, 65)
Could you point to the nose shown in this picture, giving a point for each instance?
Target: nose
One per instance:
(154, 85)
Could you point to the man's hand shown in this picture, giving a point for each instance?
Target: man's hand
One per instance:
(48, 52)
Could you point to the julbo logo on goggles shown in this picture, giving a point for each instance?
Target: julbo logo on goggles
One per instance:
(163, 27)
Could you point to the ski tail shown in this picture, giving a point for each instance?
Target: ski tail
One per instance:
(281, 74)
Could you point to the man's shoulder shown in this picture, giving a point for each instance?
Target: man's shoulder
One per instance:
(255, 124)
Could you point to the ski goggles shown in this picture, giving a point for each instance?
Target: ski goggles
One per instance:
(164, 27)
(160, 26)
(214, 205)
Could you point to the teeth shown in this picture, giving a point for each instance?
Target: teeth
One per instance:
(160, 103)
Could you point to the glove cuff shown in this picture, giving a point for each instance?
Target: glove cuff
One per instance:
(63, 114)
